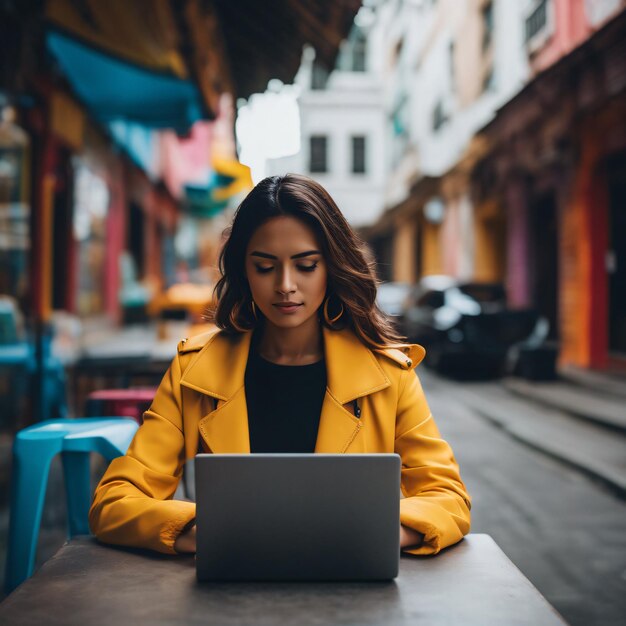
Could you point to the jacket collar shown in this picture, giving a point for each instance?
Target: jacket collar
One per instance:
(352, 370)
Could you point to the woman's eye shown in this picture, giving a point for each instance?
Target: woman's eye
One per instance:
(303, 268)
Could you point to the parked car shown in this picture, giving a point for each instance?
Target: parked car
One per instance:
(465, 327)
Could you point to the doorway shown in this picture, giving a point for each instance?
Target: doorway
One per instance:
(616, 256)
(62, 269)
(136, 238)
(382, 248)
(544, 260)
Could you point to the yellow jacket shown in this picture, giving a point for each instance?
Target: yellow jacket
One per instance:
(201, 402)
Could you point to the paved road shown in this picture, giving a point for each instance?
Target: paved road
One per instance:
(564, 531)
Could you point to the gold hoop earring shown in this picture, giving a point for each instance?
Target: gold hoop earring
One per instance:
(253, 307)
(330, 322)
(232, 316)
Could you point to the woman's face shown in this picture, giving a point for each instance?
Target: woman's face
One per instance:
(286, 271)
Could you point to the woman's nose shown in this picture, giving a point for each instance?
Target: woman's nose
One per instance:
(285, 282)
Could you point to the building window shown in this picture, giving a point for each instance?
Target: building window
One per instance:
(318, 145)
(396, 52)
(358, 155)
(359, 52)
(440, 116)
(489, 83)
(539, 25)
(487, 12)
(353, 52)
(451, 49)
(319, 76)
(91, 207)
(537, 20)
(400, 128)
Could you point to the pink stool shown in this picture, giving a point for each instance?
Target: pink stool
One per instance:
(124, 402)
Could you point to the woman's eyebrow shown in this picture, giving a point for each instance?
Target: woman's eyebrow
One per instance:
(300, 255)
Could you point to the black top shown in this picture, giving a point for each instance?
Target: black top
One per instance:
(284, 404)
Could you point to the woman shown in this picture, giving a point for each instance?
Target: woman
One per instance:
(303, 361)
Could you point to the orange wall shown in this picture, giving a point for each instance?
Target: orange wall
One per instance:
(432, 259)
(584, 242)
(490, 247)
(450, 239)
(404, 251)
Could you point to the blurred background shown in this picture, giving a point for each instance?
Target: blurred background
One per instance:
(478, 147)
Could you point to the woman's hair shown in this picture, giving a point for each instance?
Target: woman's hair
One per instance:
(351, 275)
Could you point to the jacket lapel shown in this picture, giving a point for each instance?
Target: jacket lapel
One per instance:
(225, 430)
(352, 369)
(218, 371)
(352, 372)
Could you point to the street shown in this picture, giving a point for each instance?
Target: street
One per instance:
(563, 530)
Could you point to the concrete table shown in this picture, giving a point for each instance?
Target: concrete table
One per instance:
(88, 583)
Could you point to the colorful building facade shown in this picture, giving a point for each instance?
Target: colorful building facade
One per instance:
(555, 167)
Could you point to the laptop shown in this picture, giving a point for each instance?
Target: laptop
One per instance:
(287, 517)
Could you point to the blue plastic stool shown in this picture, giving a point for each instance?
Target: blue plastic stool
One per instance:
(33, 450)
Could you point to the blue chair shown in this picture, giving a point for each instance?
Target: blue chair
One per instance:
(33, 450)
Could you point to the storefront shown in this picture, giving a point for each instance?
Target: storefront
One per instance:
(555, 168)
(91, 209)
(14, 208)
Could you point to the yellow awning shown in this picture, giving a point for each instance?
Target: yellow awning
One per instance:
(234, 169)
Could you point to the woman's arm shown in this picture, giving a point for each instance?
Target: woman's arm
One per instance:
(410, 538)
(436, 502)
(186, 541)
(133, 503)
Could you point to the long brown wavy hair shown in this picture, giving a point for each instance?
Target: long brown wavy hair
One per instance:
(352, 279)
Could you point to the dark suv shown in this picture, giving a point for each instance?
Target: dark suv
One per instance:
(465, 327)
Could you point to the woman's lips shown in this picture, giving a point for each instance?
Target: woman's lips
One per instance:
(287, 308)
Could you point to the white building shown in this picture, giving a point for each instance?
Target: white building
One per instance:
(448, 70)
(436, 71)
(449, 65)
(343, 128)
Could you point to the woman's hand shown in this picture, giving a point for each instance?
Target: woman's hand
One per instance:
(410, 538)
(186, 541)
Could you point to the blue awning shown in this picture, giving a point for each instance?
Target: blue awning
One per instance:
(114, 89)
(139, 142)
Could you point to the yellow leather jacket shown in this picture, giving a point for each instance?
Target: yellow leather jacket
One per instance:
(201, 402)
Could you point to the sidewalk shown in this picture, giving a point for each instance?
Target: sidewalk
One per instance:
(583, 402)
(101, 339)
(582, 425)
